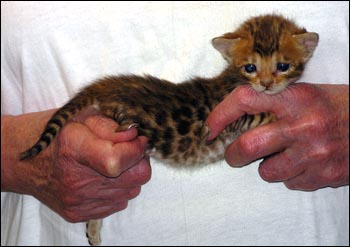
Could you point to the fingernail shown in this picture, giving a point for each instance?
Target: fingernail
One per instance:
(206, 133)
(134, 125)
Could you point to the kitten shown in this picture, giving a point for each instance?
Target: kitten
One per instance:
(268, 52)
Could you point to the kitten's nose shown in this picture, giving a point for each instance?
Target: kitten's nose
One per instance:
(266, 83)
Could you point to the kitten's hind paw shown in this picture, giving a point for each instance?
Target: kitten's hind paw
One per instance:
(93, 232)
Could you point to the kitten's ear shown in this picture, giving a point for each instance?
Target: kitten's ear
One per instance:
(309, 41)
(224, 46)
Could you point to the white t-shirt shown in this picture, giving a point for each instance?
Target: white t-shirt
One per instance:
(51, 49)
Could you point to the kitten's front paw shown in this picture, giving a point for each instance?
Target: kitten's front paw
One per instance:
(126, 126)
(205, 133)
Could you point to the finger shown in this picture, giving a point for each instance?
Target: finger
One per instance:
(244, 100)
(112, 160)
(120, 195)
(316, 176)
(308, 183)
(305, 182)
(102, 196)
(241, 101)
(281, 167)
(256, 143)
(95, 211)
(105, 128)
(104, 156)
(135, 176)
(104, 211)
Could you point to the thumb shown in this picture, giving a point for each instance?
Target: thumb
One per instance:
(79, 143)
(104, 128)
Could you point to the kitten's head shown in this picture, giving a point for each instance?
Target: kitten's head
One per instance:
(268, 51)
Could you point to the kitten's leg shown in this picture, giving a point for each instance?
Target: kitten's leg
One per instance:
(93, 231)
(248, 122)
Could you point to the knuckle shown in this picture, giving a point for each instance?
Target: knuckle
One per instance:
(246, 146)
(318, 122)
(309, 125)
(139, 175)
(321, 152)
(290, 186)
(134, 192)
(142, 178)
(121, 206)
(333, 174)
(71, 216)
(112, 165)
(115, 163)
(244, 95)
(145, 174)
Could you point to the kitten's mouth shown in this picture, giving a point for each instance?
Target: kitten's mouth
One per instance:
(275, 89)
(272, 89)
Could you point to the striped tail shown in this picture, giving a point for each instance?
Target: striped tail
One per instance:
(55, 124)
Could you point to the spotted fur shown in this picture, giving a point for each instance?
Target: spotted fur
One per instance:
(172, 116)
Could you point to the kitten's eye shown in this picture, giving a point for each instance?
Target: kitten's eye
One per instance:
(282, 67)
(250, 68)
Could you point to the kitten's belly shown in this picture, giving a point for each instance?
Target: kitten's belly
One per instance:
(201, 154)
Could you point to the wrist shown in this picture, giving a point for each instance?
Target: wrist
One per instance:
(18, 133)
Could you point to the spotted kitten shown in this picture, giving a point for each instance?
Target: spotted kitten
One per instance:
(268, 52)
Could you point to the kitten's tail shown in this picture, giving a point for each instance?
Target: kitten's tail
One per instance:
(55, 124)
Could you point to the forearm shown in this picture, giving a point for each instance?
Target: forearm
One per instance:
(18, 133)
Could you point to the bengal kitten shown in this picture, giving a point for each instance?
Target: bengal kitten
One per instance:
(268, 52)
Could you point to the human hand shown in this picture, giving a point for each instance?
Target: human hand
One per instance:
(307, 148)
(89, 171)
(118, 156)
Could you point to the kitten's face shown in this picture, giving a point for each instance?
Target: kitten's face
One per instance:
(269, 52)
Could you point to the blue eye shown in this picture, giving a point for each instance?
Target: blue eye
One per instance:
(250, 68)
(282, 67)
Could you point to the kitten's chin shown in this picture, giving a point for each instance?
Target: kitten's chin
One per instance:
(277, 88)
(258, 88)
(273, 90)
